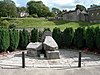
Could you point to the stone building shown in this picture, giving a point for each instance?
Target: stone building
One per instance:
(76, 15)
(94, 14)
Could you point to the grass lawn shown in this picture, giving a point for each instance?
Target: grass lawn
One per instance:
(44, 23)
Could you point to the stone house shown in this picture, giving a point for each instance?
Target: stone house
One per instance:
(75, 15)
(23, 14)
(94, 14)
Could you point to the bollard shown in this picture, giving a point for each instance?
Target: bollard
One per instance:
(79, 61)
(23, 60)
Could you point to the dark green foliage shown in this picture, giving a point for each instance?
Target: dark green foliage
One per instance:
(34, 35)
(14, 39)
(37, 7)
(40, 36)
(79, 38)
(97, 37)
(24, 39)
(47, 29)
(4, 39)
(68, 36)
(89, 36)
(8, 8)
(80, 7)
(57, 35)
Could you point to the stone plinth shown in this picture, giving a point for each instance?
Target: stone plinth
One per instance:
(33, 48)
(50, 44)
(52, 54)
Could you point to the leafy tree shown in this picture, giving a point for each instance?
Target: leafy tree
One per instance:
(79, 37)
(56, 10)
(24, 39)
(8, 8)
(4, 39)
(34, 35)
(51, 14)
(80, 7)
(37, 7)
(68, 36)
(14, 39)
(89, 36)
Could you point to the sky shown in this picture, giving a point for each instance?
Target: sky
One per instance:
(61, 4)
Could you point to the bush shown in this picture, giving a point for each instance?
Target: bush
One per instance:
(68, 36)
(24, 39)
(14, 39)
(47, 29)
(4, 39)
(5, 24)
(89, 36)
(35, 15)
(57, 35)
(79, 38)
(97, 37)
(12, 26)
(34, 35)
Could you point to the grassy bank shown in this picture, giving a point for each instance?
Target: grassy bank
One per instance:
(44, 23)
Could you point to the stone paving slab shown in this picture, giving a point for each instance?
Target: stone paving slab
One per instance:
(68, 59)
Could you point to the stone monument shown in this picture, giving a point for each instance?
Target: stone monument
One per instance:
(48, 45)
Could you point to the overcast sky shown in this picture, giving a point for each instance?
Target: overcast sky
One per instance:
(61, 4)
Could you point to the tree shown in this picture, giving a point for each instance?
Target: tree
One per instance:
(34, 35)
(97, 37)
(56, 10)
(80, 7)
(14, 39)
(4, 39)
(57, 35)
(37, 7)
(79, 38)
(68, 36)
(89, 36)
(8, 8)
(24, 39)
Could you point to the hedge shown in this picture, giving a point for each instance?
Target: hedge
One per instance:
(4, 39)
(14, 39)
(67, 37)
(34, 35)
(79, 39)
(24, 39)
(89, 37)
(57, 35)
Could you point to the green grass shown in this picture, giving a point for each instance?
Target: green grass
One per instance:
(44, 23)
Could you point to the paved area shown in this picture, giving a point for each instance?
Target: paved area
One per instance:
(68, 59)
(52, 71)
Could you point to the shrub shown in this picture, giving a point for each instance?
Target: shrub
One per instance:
(35, 15)
(68, 35)
(24, 39)
(79, 38)
(89, 36)
(97, 37)
(4, 39)
(34, 35)
(57, 35)
(12, 26)
(47, 29)
(5, 24)
(14, 39)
